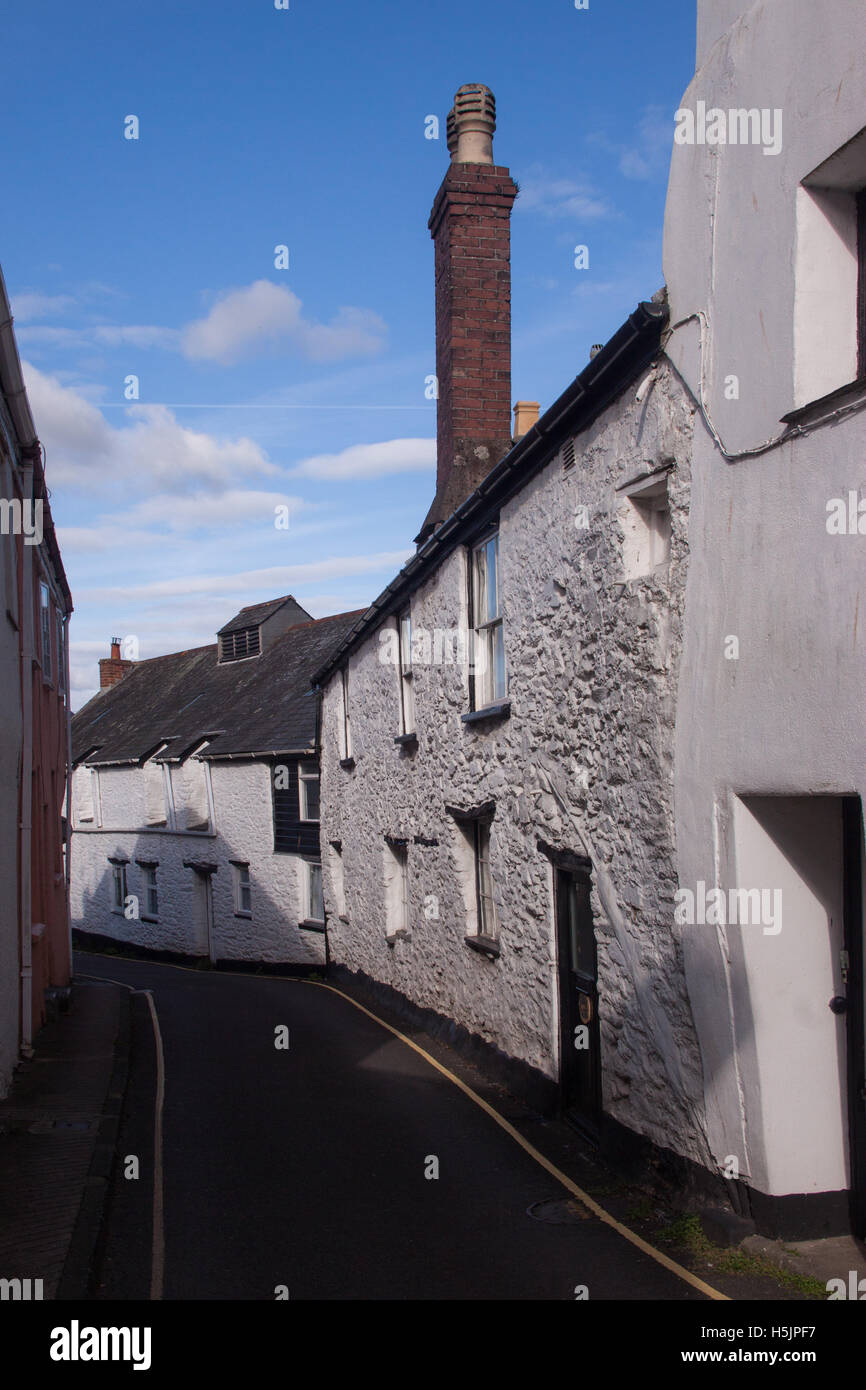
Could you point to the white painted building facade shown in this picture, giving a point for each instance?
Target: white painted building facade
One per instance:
(195, 806)
(219, 891)
(648, 816)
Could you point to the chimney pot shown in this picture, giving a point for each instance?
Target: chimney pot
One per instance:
(525, 416)
(113, 668)
(470, 126)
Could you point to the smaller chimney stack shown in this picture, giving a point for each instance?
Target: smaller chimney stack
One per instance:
(525, 416)
(113, 668)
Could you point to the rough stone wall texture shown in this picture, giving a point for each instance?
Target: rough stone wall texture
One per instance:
(584, 762)
(244, 831)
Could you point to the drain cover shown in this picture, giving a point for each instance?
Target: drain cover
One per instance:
(558, 1211)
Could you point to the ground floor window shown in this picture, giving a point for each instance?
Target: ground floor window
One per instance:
(118, 887)
(243, 890)
(315, 904)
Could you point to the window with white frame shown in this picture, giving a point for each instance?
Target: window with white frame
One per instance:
(407, 692)
(315, 903)
(486, 923)
(151, 892)
(308, 791)
(830, 275)
(396, 888)
(346, 726)
(490, 682)
(118, 887)
(243, 890)
(473, 872)
(645, 517)
(45, 623)
(338, 883)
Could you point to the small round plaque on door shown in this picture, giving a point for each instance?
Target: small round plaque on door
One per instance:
(584, 1008)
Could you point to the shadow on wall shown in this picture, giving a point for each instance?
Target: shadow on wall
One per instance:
(196, 917)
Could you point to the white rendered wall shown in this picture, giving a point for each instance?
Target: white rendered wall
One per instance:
(242, 800)
(584, 762)
(784, 715)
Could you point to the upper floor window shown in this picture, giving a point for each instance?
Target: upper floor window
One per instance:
(830, 275)
(346, 732)
(407, 692)
(308, 791)
(645, 517)
(488, 655)
(45, 622)
(243, 642)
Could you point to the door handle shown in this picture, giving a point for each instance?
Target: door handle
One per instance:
(839, 1004)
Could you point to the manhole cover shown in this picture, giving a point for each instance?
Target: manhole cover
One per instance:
(558, 1211)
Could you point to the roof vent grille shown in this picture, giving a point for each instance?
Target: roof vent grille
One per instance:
(567, 455)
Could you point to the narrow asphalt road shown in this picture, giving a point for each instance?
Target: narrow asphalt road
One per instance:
(304, 1167)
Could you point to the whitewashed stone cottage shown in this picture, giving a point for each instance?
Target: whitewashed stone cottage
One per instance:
(592, 764)
(195, 795)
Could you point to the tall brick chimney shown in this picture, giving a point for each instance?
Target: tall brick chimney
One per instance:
(113, 668)
(471, 229)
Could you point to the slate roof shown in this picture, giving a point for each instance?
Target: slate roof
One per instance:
(259, 612)
(263, 705)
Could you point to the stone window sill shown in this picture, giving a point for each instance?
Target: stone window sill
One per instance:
(843, 395)
(247, 915)
(143, 918)
(485, 945)
(311, 924)
(501, 710)
(400, 935)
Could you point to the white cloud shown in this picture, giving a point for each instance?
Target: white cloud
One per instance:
(540, 192)
(39, 306)
(276, 579)
(84, 450)
(371, 460)
(246, 320)
(206, 509)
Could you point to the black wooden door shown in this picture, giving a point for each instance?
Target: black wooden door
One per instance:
(580, 1052)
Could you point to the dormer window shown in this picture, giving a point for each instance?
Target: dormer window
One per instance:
(243, 642)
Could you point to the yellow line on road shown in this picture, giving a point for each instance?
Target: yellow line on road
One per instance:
(572, 1187)
(627, 1234)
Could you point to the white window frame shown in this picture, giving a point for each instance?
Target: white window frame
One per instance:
(311, 869)
(346, 720)
(396, 890)
(151, 893)
(645, 518)
(308, 772)
(118, 880)
(490, 671)
(243, 889)
(486, 920)
(45, 606)
(407, 688)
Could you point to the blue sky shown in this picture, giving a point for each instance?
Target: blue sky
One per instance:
(259, 386)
